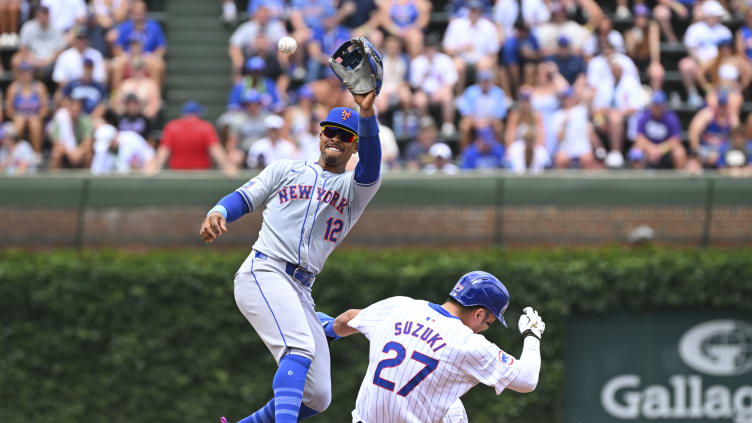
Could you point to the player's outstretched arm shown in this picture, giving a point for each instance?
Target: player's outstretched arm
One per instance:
(231, 207)
(531, 327)
(369, 146)
(337, 328)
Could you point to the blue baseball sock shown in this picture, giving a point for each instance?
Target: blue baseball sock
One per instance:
(288, 387)
(264, 415)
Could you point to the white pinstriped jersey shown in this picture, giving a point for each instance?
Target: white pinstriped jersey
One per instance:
(308, 210)
(456, 413)
(421, 360)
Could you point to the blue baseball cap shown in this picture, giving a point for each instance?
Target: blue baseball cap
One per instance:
(192, 107)
(25, 66)
(641, 10)
(725, 42)
(343, 117)
(659, 98)
(255, 63)
(305, 91)
(251, 96)
(563, 41)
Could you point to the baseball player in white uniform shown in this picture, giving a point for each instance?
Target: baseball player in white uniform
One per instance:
(310, 207)
(424, 356)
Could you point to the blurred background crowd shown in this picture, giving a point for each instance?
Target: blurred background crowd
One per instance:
(521, 85)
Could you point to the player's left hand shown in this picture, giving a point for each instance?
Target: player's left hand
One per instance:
(531, 323)
(214, 225)
(327, 322)
(365, 101)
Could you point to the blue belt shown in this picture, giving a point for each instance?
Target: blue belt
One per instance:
(296, 272)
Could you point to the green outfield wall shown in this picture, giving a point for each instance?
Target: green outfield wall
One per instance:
(410, 209)
(121, 337)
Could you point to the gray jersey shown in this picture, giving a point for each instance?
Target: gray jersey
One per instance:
(308, 210)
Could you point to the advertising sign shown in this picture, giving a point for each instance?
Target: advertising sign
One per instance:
(659, 367)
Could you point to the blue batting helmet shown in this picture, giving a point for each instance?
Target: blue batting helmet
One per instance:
(482, 289)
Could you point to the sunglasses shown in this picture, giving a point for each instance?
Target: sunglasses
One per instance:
(344, 135)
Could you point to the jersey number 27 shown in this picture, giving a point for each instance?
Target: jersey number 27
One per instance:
(431, 364)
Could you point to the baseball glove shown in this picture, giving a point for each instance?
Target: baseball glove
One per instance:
(358, 64)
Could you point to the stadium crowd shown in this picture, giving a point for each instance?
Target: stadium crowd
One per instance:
(508, 84)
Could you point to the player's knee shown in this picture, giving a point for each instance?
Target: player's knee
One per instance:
(321, 397)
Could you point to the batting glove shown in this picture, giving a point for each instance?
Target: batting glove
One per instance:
(327, 322)
(531, 324)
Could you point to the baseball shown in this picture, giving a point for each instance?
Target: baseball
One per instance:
(287, 45)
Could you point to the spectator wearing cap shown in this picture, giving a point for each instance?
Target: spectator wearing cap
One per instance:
(254, 79)
(133, 119)
(324, 42)
(246, 127)
(416, 154)
(308, 15)
(432, 77)
(119, 151)
(40, 44)
(143, 86)
(571, 65)
(481, 104)
(472, 41)
(658, 142)
(71, 133)
(710, 134)
(299, 113)
(395, 91)
(66, 14)
(190, 143)
(603, 34)
(744, 36)
(729, 72)
(643, 46)
(70, 64)
(701, 39)
(16, 155)
(441, 160)
(523, 118)
(520, 50)
(26, 105)
(526, 155)
(406, 19)
(272, 147)
(258, 37)
(574, 133)
(560, 27)
(485, 152)
(93, 92)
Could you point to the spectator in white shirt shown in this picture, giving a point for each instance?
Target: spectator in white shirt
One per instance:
(41, 43)
(604, 33)
(16, 155)
(506, 12)
(527, 155)
(66, 14)
(120, 152)
(701, 39)
(441, 156)
(550, 32)
(574, 133)
(70, 64)
(271, 148)
(472, 41)
(256, 37)
(433, 76)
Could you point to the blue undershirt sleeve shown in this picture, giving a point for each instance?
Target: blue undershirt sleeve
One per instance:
(369, 149)
(232, 206)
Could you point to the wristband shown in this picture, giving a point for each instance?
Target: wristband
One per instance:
(329, 331)
(529, 332)
(219, 209)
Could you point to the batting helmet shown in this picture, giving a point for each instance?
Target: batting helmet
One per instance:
(482, 289)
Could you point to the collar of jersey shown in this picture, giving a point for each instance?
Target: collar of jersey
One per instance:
(441, 310)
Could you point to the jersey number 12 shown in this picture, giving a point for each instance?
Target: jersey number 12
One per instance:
(333, 228)
(431, 364)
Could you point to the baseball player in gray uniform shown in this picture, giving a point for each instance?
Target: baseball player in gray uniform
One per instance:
(310, 207)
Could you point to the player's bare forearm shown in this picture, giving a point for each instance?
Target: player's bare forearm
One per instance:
(213, 226)
(340, 323)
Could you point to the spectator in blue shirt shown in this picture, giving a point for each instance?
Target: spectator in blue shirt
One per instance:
(92, 93)
(658, 142)
(149, 36)
(323, 44)
(254, 79)
(486, 152)
(307, 16)
(571, 66)
(481, 104)
(276, 7)
(519, 49)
